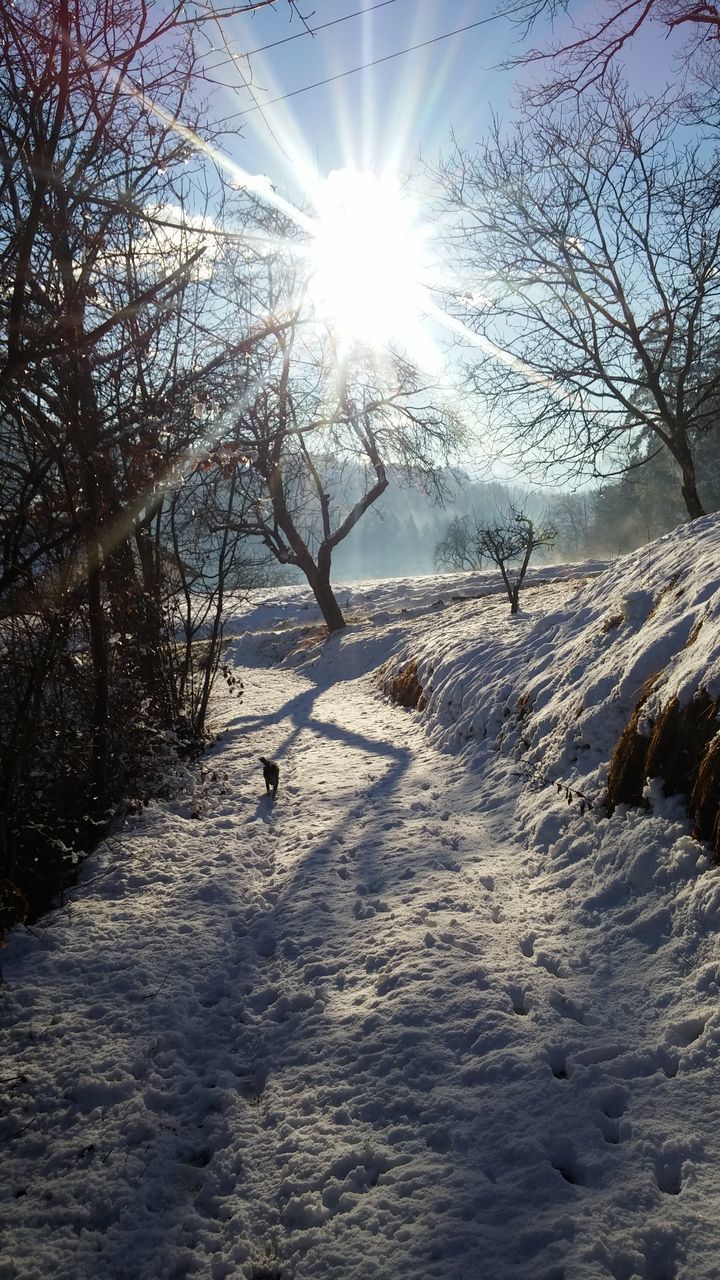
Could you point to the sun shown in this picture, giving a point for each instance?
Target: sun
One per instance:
(368, 259)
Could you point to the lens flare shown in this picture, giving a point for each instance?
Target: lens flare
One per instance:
(368, 256)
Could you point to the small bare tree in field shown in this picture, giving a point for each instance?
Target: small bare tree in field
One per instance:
(508, 543)
(510, 546)
(458, 549)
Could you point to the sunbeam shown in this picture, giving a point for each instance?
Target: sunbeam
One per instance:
(369, 253)
(368, 256)
(507, 358)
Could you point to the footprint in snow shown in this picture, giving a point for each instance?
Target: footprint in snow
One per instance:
(669, 1169)
(557, 1059)
(564, 1159)
(366, 910)
(555, 966)
(519, 1000)
(612, 1131)
(266, 944)
(687, 1032)
(567, 1008)
(461, 944)
(613, 1101)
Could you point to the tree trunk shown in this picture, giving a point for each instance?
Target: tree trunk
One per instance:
(101, 683)
(679, 447)
(690, 494)
(327, 603)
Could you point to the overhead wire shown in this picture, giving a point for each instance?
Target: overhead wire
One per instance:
(309, 31)
(423, 44)
(247, 84)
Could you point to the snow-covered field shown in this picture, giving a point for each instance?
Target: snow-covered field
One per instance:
(426, 1015)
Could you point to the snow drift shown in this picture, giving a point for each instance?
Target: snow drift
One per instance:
(633, 657)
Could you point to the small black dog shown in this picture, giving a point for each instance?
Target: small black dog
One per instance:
(271, 774)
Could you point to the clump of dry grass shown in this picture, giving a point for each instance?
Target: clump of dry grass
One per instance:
(404, 687)
(679, 741)
(309, 637)
(683, 749)
(610, 624)
(626, 772)
(694, 633)
(666, 590)
(705, 798)
(524, 705)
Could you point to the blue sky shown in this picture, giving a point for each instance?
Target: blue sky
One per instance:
(380, 117)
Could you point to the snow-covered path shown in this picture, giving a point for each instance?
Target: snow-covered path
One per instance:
(355, 1033)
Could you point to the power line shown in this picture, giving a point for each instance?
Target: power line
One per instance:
(311, 31)
(365, 66)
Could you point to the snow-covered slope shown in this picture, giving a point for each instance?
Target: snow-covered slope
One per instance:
(567, 678)
(426, 1015)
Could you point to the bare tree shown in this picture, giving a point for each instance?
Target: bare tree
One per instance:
(208, 560)
(591, 237)
(102, 354)
(510, 545)
(571, 517)
(323, 432)
(458, 549)
(508, 542)
(587, 57)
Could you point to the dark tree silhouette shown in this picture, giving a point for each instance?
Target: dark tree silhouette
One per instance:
(587, 55)
(105, 259)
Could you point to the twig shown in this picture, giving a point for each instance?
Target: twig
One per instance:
(10, 1136)
(162, 984)
(571, 793)
(38, 937)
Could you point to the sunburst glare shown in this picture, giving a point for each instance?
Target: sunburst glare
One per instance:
(368, 258)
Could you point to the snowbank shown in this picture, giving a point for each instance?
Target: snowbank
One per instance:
(557, 686)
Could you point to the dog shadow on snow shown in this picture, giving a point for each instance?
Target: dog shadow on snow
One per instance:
(266, 805)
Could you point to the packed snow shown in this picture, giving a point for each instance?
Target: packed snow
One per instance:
(428, 1013)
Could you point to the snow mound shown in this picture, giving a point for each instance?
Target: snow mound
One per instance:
(556, 688)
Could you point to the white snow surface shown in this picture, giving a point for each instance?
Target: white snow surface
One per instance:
(424, 1015)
